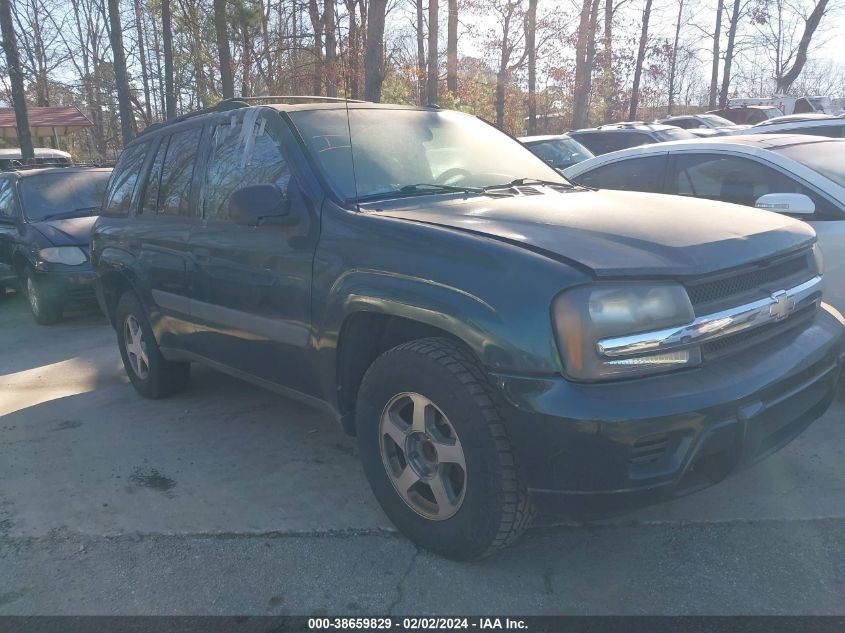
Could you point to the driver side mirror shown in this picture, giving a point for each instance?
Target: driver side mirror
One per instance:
(789, 203)
(258, 205)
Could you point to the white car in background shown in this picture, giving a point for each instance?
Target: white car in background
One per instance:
(824, 125)
(798, 175)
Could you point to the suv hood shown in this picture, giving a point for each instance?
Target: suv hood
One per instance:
(616, 233)
(69, 232)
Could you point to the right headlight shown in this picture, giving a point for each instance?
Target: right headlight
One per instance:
(585, 315)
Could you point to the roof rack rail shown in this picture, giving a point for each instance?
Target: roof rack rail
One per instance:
(47, 165)
(235, 103)
(292, 98)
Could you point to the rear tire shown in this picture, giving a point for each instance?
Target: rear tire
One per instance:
(45, 309)
(150, 373)
(427, 415)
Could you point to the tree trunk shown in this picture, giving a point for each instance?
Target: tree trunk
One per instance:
(352, 49)
(673, 62)
(608, 80)
(167, 40)
(317, 25)
(142, 58)
(452, 48)
(124, 101)
(246, 36)
(717, 36)
(531, 46)
(638, 68)
(729, 54)
(421, 61)
(13, 67)
(223, 52)
(331, 48)
(789, 77)
(584, 53)
(374, 57)
(433, 83)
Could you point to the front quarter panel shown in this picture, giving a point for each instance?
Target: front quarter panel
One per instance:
(493, 295)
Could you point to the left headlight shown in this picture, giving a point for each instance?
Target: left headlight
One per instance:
(585, 315)
(68, 255)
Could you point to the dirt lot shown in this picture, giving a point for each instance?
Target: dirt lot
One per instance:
(231, 500)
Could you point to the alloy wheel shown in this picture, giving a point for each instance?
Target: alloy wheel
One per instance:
(136, 347)
(32, 295)
(423, 456)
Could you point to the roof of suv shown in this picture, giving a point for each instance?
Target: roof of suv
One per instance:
(624, 126)
(59, 169)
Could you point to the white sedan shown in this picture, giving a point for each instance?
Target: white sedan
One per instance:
(798, 175)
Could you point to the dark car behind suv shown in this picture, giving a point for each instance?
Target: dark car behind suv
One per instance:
(46, 216)
(615, 136)
(497, 338)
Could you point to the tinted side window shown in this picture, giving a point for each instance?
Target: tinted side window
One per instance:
(150, 201)
(239, 158)
(124, 178)
(7, 200)
(636, 174)
(174, 194)
(596, 142)
(732, 179)
(624, 140)
(832, 131)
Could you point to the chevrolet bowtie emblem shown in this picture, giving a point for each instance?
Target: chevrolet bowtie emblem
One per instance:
(783, 305)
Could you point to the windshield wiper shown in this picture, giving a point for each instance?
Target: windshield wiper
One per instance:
(518, 182)
(76, 213)
(422, 188)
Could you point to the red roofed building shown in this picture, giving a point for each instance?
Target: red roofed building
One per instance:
(44, 122)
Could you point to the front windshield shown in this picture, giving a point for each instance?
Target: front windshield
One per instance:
(561, 152)
(410, 152)
(58, 195)
(826, 158)
(674, 134)
(715, 121)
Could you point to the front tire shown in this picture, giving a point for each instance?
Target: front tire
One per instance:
(45, 309)
(150, 373)
(436, 451)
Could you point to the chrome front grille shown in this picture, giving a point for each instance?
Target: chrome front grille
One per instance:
(755, 282)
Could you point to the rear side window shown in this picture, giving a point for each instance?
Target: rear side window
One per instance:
(150, 201)
(241, 157)
(831, 131)
(7, 200)
(174, 196)
(596, 142)
(624, 140)
(636, 174)
(124, 178)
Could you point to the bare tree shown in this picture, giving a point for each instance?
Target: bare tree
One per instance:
(452, 47)
(531, 47)
(224, 53)
(638, 67)
(329, 22)
(374, 56)
(142, 55)
(736, 12)
(167, 42)
(13, 67)
(433, 83)
(421, 60)
(124, 100)
(585, 49)
(673, 61)
(717, 40)
(786, 78)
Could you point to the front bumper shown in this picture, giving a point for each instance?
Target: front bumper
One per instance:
(67, 284)
(663, 436)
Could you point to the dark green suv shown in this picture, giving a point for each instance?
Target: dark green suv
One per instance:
(497, 338)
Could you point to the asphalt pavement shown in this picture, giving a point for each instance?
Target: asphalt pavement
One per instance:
(228, 499)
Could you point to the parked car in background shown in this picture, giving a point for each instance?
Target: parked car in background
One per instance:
(791, 105)
(802, 176)
(747, 114)
(616, 136)
(559, 151)
(825, 125)
(10, 158)
(46, 215)
(495, 337)
(704, 125)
